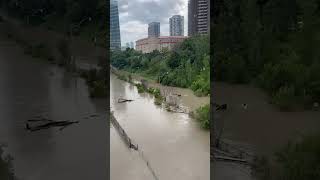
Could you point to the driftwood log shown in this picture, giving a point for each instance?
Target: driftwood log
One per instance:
(177, 94)
(43, 123)
(221, 107)
(121, 100)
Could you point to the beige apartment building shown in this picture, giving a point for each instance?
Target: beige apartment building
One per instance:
(150, 44)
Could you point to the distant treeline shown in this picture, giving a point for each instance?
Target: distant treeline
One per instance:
(60, 14)
(187, 65)
(273, 44)
(73, 10)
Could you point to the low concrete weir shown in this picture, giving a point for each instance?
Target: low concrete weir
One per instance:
(122, 133)
(131, 145)
(172, 144)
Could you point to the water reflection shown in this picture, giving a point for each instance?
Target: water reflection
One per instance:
(30, 87)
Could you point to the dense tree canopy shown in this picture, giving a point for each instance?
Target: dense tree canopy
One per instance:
(187, 65)
(272, 43)
(73, 10)
(85, 18)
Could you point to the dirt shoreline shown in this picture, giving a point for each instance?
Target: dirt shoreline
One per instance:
(261, 127)
(188, 99)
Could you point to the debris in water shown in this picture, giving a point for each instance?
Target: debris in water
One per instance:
(177, 94)
(43, 123)
(222, 107)
(245, 106)
(316, 105)
(94, 115)
(121, 100)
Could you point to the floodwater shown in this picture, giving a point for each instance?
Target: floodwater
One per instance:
(231, 171)
(188, 98)
(30, 87)
(174, 145)
(261, 127)
(125, 163)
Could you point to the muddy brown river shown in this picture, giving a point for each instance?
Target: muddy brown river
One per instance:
(31, 87)
(174, 144)
(261, 127)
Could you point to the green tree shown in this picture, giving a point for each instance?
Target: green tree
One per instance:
(300, 160)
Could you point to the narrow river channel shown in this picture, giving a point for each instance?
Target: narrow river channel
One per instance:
(30, 87)
(174, 144)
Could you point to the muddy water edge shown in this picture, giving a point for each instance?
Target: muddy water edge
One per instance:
(173, 143)
(31, 87)
(261, 127)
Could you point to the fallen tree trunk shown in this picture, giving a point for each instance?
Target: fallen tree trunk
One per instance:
(231, 159)
(121, 100)
(47, 124)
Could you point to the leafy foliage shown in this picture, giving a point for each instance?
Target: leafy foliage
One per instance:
(294, 161)
(73, 9)
(202, 115)
(96, 80)
(187, 65)
(84, 17)
(300, 160)
(272, 43)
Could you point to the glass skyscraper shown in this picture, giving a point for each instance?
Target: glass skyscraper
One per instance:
(198, 17)
(115, 39)
(176, 25)
(154, 29)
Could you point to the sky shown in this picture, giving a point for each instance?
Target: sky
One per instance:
(134, 16)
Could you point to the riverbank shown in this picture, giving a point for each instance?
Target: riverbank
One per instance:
(187, 66)
(173, 99)
(32, 36)
(188, 98)
(261, 127)
(55, 48)
(30, 87)
(169, 141)
(82, 19)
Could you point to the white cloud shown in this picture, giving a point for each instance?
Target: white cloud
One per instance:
(136, 14)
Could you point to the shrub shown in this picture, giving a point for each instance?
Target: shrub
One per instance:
(140, 88)
(158, 101)
(129, 78)
(122, 77)
(98, 89)
(202, 115)
(294, 161)
(284, 98)
(300, 160)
